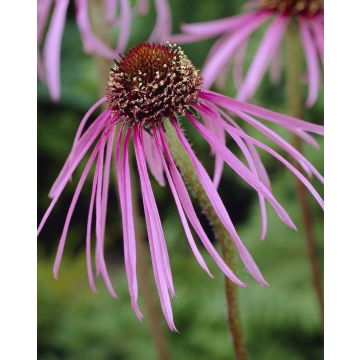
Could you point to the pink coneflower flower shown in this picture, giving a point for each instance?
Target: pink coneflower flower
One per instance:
(148, 86)
(235, 32)
(118, 14)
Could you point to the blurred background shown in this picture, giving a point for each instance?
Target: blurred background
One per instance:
(280, 322)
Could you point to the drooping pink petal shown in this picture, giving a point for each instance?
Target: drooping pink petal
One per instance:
(125, 25)
(110, 11)
(88, 235)
(72, 207)
(157, 221)
(52, 48)
(124, 186)
(105, 190)
(160, 268)
(253, 167)
(43, 10)
(291, 150)
(216, 27)
(265, 53)
(221, 57)
(153, 159)
(239, 132)
(243, 171)
(312, 63)
(285, 120)
(220, 208)
(91, 43)
(190, 212)
(183, 219)
(219, 133)
(65, 178)
(318, 31)
(78, 148)
(100, 264)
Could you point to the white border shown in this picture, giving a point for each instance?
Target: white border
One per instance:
(342, 159)
(18, 180)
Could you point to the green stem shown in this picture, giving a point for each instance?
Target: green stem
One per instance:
(296, 108)
(185, 165)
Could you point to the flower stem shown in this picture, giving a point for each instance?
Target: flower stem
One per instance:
(296, 108)
(184, 163)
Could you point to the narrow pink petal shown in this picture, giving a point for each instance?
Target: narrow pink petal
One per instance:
(153, 159)
(318, 31)
(220, 208)
(233, 131)
(190, 212)
(71, 209)
(99, 201)
(110, 11)
(185, 38)
(216, 27)
(52, 48)
(243, 172)
(125, 21)
(154, 213)
(88, 235)
(78, 151)
(268, 47)
(43, 10)
(223, 54)
(163, 21)
(183, 219)
(150, 217)
(312, 63)
(285, 120)
(63, 181)
(219, 133)
(270, 134)
(253, 167)
(124, 185)
(91, 43)
(105, 184)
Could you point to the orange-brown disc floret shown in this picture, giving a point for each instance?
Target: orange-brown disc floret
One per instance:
(150, 83)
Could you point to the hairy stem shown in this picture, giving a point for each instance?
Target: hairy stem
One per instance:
(185, 165)
(296, 108)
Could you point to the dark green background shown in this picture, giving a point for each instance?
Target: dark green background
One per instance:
(280, 322)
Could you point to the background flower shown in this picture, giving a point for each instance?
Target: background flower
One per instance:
(234, 35)
(52, 16)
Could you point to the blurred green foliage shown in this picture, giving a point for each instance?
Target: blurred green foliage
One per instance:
(280, 322)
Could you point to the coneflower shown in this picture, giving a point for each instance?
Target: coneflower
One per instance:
(234, 34)
(151, 90)
(118, 14)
